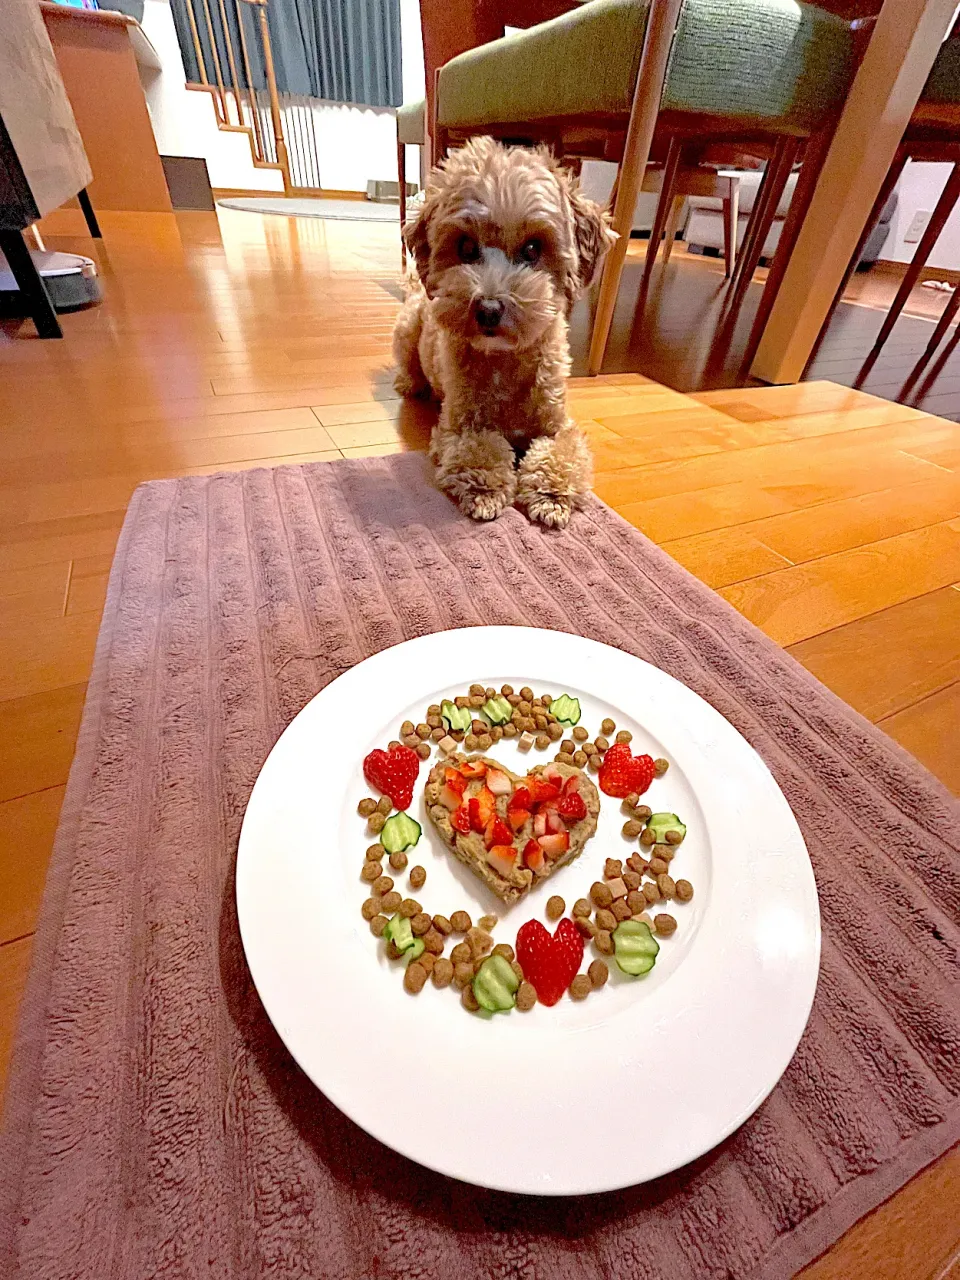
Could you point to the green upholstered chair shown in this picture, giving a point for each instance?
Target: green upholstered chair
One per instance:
(623, 79)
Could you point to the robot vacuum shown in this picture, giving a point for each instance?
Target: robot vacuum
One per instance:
(70, 278)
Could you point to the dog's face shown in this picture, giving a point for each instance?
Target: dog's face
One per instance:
(503, 244)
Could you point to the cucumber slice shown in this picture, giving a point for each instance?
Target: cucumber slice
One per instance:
(455, 717)
(566, 709)
(400, 932)
(661, 823)
(400, 832)
(635, 947)
(495, 984)
(416, 950)
(497, 710)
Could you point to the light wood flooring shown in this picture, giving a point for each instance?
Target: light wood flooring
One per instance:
(828, 517)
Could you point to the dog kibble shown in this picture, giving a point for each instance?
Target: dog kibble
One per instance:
(660, 767)
(489, 692)
(391, 746)
(526, 741)
(673, 837)
(651, 892)
(644, 811)
(496, 732)
(580, 733)
(506, 690)
(567, 748)
(442, 974)
(398, 860)
(444, 740)
(555, 907)
(586, 926)
(546, 699)
(541, 721)
(411, 740)
(664, 925)
(423, 731)
(637, 864)
(378, 924)
(420, 923)
(366, 806)
(382, 885)
(580, 759)
(418, 877)
(603, 941)
(406, 727)
(593, 764)
(391, 901)
(423, 750)
(543, 741)
(667, 886)
(469, 1000)
(384, 805)
(462, 701)
(617, 887)
(621, 910)
(515, 966)
(629, 802)
(484, 742)
(428, 960)
(463, 972)
(393, 951)
(612, 868)
(513, 698)
(476, 689)
(600, 894)
(371, 908)
(433, 941)
(657, 867)
(442, 925)
(606, 919)
(471, 742)
(409, 907)
(607, 726)
(598, 973)
(526, 693)
(631, 879)
(481, 944)
(647, 837)
(375, 851)
(371, 871)
(375, 823)
(479, 726)
(435, 722)
(487, 922)
(524, 707)
(526, 996)
(555, 731)
(509, 730)
(461, 921)
(433, 709)
(636, 901)
(582, 907)
(684, 890)
(601, 744)
(580, 987)
(456, 735)
(503, 949)
(461, 953)
(414, 978)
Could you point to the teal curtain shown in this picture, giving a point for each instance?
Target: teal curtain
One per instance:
(337, 50)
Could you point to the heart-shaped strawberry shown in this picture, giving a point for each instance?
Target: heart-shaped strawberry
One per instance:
(393, 772)
(549, 964)
(622, 774)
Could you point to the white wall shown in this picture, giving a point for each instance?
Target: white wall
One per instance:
(919, 188)
(354, 144)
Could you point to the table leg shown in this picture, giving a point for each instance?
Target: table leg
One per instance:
(34, 291)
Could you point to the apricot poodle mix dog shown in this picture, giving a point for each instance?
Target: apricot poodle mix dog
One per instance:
(503, 244)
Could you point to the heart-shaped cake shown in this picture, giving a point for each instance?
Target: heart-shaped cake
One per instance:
(511, 830)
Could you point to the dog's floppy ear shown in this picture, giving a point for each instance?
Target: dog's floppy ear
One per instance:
(593, 234)
(416, 236)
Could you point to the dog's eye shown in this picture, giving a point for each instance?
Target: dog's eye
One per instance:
(530, 252)
(467, 249)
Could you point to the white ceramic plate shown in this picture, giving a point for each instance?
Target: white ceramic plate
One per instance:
(503, 1101)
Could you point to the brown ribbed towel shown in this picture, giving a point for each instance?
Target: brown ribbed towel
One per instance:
(155, 1124)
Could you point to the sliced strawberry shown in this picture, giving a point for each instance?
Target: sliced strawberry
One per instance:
(393, 773)
(482, 808)
(539, 824)
(554, 821)
(497, 832)
(533, 856)
(517, 818)
(449, 798)
(520, 799)
(498, 782)
(572, 784)
(460, 819)
(503, 858)
(622, 774)
(473, 769)
(572, 807)
(541, 790)
(555, 844)
(550, 964)
(553, 774)
(455, 780)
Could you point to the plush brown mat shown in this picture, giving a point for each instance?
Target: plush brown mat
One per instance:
(156, 1126)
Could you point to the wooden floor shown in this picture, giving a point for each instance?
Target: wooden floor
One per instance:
(827, 516)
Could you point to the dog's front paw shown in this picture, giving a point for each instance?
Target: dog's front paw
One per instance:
(484, 504)
(408, 387)
(550, 509)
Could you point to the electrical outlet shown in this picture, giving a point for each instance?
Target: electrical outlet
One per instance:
(918, 224)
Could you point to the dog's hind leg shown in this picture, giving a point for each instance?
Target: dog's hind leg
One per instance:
(553, 475)
(410, 378)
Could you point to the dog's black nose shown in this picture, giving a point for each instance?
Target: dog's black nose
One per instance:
(489, 313)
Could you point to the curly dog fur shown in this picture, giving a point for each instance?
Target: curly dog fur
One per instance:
(503, 244)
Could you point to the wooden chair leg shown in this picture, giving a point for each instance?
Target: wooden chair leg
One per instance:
(891, 180)
(673, 225)
(34, 291)
(744, 251)
(945, 206)
(402, 188)
(763, 219)
(731, 216)
(664, 208)
(943, 324)
(815, 153)
(658, 40)
(93, 226)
